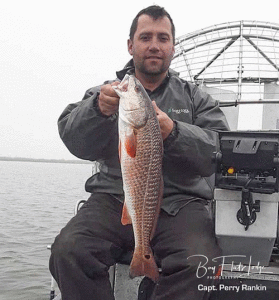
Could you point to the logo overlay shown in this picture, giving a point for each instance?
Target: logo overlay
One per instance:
(227, 269)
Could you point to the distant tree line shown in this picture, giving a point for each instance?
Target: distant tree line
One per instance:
(7, 158)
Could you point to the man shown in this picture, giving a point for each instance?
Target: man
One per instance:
(95, 238)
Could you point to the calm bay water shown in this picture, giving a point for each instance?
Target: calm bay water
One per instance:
(37, 200)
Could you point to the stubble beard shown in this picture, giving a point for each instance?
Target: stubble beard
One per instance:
(152, 70)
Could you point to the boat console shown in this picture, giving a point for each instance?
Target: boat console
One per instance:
(246, 196)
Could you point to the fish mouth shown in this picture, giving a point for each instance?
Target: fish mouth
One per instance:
(124, 84)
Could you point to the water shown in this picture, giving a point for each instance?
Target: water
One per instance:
(37, 200)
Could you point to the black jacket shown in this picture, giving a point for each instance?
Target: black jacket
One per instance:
(187, 151)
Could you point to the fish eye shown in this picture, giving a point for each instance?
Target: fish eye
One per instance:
(137, 88)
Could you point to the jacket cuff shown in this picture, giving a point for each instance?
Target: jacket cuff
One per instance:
(172, 136)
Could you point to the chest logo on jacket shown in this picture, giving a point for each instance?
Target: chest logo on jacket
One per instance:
(179, 111)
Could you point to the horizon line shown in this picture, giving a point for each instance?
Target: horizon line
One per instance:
(46, 160)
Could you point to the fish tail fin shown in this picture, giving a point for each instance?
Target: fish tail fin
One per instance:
(144, 265)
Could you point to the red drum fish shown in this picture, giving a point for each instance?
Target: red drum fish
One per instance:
(140, 153)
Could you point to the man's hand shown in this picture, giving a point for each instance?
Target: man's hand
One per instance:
(166, 123)
(108, 99)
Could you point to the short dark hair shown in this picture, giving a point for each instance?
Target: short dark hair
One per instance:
(154, 11)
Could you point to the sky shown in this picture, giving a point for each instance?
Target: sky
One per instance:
(51, 52)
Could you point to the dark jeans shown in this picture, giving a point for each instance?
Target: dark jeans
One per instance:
(95, 239)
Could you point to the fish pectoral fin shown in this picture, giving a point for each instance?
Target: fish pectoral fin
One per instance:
(131, 143)
(126, 218)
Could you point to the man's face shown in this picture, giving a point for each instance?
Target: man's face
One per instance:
(152, 47)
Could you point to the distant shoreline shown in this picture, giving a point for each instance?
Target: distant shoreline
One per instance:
(64, 161)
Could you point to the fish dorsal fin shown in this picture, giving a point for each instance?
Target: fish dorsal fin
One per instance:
(126, 218)
(131, 143)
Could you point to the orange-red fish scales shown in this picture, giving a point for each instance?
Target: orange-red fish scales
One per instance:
(141, 152)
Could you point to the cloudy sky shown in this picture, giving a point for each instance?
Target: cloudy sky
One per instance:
(51, 52)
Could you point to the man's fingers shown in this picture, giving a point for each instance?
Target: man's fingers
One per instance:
(157, 109)
(109, 106)
(115, 83)
(108, 99)
(166, 123)
(108, 90)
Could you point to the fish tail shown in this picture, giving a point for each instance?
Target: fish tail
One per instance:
(144, 265)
